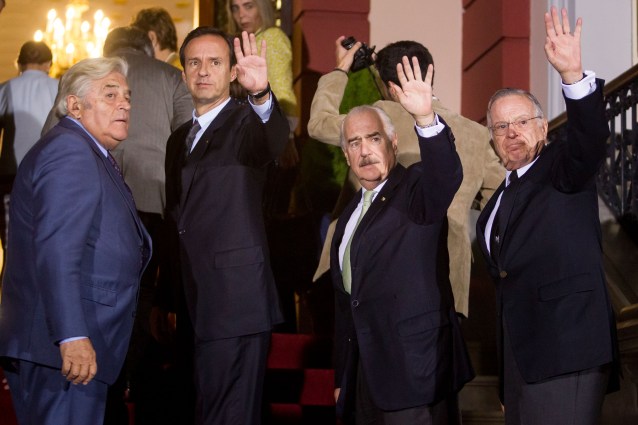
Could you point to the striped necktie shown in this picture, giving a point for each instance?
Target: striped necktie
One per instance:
(190, 137)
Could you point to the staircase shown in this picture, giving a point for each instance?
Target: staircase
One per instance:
(299, 382)
(7, 415)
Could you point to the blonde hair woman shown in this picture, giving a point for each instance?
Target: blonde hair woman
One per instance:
(258, 17)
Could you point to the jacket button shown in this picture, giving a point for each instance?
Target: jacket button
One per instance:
(355, 303)
(503, 274)
(181, 231)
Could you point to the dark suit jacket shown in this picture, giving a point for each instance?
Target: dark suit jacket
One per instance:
(75, 256)
(214, 209)
(549, 277)
(400, 316)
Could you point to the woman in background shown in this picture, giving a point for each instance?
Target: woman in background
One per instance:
(258, 17)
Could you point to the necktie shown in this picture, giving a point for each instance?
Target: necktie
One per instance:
(114, 164)
(190, 137)
(346, 272)
(495, 237)
(119, 171)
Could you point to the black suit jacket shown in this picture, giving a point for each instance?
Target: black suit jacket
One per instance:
(549, 276)
(214, 210)
(399, 320)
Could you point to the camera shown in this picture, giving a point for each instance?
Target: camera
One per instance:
(363, 56)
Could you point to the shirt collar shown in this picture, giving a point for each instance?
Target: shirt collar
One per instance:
(208, 117)
(519, 171)
(100, 147)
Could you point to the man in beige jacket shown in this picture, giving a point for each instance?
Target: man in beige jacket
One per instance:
(482, 171)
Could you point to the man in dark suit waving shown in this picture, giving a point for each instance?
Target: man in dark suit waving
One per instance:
(400, 358)
(75, 255)
(541, 236)
(215, 171)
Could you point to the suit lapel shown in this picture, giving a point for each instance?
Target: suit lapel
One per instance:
(378, 205)
(192, 161)
(338, 237)
(118, 181)
(484, 217)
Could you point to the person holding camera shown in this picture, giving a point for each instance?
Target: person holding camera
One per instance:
(482, 171)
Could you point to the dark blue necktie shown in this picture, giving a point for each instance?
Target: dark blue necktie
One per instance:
(496, 238)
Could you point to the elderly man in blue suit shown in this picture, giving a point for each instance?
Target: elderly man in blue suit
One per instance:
(75, 255)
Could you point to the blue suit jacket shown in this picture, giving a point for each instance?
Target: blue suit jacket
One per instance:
(75, 254)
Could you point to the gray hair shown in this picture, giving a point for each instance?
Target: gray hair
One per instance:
(388, 127)
(538, 110)
(78, 79)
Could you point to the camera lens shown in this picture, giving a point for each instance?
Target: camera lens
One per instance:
(347, 43)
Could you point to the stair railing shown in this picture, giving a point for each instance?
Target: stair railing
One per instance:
(618, 187)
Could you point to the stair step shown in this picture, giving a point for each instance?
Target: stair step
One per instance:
(480, 394)
(485, 417)
(298, 351)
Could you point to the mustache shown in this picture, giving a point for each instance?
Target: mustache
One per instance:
(366, 161)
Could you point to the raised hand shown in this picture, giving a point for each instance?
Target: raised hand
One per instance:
(415, 93)
(252, 72)
(562, 47)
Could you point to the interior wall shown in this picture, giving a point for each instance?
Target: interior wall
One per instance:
(438, 27)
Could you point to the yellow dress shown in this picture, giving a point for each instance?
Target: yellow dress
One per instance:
(279, 61)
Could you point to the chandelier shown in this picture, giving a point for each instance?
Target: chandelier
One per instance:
(73, 39)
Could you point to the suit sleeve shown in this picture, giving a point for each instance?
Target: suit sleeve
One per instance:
(325, 120)
(169, 278)
(66, 172)
(263, 142)
(4, 104)
(587, 131)
(435, 180)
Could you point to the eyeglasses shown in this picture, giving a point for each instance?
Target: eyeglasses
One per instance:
(501, 128)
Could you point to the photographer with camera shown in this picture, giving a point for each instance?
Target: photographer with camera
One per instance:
(482, 171)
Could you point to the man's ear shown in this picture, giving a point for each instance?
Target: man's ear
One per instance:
(345, 154)
(233, 73)
(545, 127)
(74, 106)
(385, 91)
(153, 37)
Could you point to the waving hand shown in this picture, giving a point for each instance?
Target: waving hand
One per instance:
(562, 47)
(415, 93)
(252, 72)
